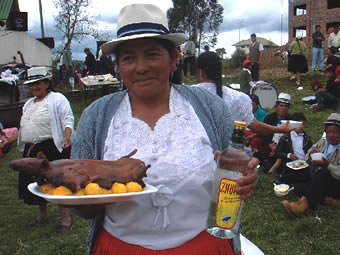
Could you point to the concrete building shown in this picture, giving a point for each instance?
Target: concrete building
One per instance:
(305, 14)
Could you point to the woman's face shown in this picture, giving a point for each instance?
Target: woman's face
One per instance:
(254, 106)
(282, 109)
(333, 134)
(39, 88)
(145, 66)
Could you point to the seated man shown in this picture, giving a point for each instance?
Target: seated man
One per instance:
(324, 187)
(265, 145)
(328, 97)
(293, 146)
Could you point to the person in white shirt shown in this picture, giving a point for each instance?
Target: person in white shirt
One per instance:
(293, 146)
(46, 126)
(189, 51)
(334, 38)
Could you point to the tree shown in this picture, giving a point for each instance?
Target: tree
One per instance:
(221, 52)
(238, 57)
(74, 21)
(199, 19)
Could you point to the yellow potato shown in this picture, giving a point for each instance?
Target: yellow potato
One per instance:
(62, 190)
(118, 188)
(47, 188)
(133, 187)
(80, 192)
(92, 189)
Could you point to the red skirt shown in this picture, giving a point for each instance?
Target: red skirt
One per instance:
(202, 244)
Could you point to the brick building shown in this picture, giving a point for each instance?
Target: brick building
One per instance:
(305, 14)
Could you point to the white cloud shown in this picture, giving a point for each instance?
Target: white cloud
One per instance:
(261, 16)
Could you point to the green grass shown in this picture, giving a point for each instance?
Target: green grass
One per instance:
(264, 221)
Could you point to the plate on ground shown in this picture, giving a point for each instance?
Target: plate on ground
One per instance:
(297, 164)
(90, 199)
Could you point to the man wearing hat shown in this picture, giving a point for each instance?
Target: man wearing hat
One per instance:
(325, 184)
(90, 62)
(328, 97)
(271, 140)
(245, 77)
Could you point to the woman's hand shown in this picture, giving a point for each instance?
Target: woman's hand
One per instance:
(284, 128)
(247, 183)
(67, 142)
(67, 137)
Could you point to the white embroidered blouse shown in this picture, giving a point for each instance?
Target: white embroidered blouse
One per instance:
(35, 123)
(238, 102)
(182, 167)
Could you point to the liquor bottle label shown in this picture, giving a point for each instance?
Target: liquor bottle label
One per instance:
(228, 204)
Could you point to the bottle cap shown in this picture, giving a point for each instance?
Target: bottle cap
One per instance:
(240, 124)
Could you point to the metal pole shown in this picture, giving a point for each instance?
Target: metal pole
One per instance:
(281, 19)
(41, 20)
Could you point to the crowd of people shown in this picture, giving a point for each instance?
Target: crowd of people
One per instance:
(163, 118)
(70, 73)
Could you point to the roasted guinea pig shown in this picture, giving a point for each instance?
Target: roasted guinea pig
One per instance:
(76, 174)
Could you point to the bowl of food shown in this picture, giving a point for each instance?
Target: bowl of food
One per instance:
(281, 190)
(293, 123)
(317, 156)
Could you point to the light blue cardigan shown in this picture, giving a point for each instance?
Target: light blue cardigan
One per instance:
(91, 132)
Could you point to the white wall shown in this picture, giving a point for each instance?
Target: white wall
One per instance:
(35, 52)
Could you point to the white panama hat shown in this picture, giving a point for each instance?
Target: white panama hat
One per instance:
(141, 21)
(37, 73)
(284, 98)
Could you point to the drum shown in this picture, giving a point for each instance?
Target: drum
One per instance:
(267, 94)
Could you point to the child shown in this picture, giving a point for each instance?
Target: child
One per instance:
(293, 146)
(245, 78)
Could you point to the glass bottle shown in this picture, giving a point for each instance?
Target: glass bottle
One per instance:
(226, 206)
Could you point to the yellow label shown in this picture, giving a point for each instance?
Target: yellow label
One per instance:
(228, 204)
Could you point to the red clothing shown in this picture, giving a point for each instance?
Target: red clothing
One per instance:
(257, 144)
(203, 244)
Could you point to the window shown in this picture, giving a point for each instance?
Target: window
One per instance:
(300, 31)
(300, 10)
(331, 4)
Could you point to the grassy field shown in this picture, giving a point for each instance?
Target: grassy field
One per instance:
(264, 221)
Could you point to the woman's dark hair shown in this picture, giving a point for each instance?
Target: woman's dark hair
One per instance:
(255, 99)
(168, 45)
(298, 116)
(211, 64)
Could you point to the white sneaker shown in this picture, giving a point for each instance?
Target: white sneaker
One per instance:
(293, 77)
(300, 88)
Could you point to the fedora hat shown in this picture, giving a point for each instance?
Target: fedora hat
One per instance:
(334, 118)
(36, 74)
(283, 98)
(142, 21)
